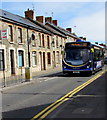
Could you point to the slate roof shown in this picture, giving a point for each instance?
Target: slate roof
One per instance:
(16, 19)
(68, 33)
(61, 30)
(33, 24)
(52, 30)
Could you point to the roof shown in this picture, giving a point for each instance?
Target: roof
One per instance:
(62, 30)
(49, 28)
(7, 16)
(33, 24)
(68, 33)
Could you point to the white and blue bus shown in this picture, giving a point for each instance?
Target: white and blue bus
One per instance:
(82, 56)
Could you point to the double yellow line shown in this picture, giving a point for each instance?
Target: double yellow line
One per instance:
(54, 105)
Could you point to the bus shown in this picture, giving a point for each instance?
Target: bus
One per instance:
(82, 56)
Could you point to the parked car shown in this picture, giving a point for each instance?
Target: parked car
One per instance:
(105, 60)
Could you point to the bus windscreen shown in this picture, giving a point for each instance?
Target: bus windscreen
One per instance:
(76, 56)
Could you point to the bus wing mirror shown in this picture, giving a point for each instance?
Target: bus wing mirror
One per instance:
(92, 50)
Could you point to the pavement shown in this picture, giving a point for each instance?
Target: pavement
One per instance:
(34, 78)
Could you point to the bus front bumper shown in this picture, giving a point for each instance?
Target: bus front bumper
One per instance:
(77, 70)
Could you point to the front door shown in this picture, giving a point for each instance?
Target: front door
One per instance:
(12, 64)
(44, 64)
(40, 59)
(54, 60)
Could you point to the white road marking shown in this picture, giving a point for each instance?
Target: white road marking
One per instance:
(50, 78)
(46, 79)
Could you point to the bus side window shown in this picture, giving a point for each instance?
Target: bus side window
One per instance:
(96, 55)
(101, 53)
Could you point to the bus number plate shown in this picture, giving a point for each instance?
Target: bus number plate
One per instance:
(76, 71)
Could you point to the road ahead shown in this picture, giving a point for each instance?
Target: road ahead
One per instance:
(29, 100)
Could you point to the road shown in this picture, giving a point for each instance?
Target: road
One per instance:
(25, 102)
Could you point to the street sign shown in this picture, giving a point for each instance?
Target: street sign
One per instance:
(4, 34)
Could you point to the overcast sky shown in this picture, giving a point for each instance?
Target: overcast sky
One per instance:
(87, 18)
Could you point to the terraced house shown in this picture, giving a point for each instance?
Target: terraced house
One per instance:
(30, 42)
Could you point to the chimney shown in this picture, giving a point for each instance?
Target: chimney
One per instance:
(29, 14)
(69, 29)
(40, 19)
(55, 22)
(48, 19)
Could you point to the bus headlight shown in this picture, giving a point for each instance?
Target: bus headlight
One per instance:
(88, 66)
(90, 61)
(64, 66)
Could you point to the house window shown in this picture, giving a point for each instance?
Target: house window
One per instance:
(33, 39)
(34, 60)
(1, 59)
(10, 33)
(62, 42)
(19, 35)
(21, 58)
(57, 57)
(56, 41)
(48, 42)
(49, 58)
(43, 42)
(53, 42)
(40, 44)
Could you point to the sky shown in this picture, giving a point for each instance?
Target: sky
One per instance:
(86, 17)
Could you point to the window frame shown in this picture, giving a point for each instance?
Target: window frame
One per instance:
(33, 39)
(10, 33)
(43, 40)
(35, 57)
(22, 58)
(48, 58)
(40, 42)
(20, 35)
(48, 42)
(57, 57)
(57, 44)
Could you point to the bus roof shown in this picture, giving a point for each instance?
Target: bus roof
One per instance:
(98, 45)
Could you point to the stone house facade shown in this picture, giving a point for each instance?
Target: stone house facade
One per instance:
(25, 42)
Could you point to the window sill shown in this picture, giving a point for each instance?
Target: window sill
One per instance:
(11, 42)
(34, 65)
(20, 43)
(33, 45)
(21, 67)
